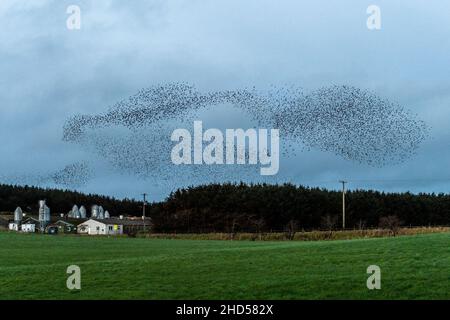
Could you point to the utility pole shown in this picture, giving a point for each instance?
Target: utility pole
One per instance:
(343, 203)
(143, 208)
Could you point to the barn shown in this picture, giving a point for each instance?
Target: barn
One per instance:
(65, 226)
(111, 226)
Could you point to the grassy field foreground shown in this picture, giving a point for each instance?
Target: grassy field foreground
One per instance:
(34, 267)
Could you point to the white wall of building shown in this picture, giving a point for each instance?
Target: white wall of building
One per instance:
(14, 226)
(28, 227)
(93, 227)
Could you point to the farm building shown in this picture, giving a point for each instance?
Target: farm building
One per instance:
(14, 226)
(30, 225)
(111, 226)
(97, 227)
(65, 227)
(73, 222)
(33, 225)
(65, 223)
(132, 226)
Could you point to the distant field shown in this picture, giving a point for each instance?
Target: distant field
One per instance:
(299, 236)
(34, 267)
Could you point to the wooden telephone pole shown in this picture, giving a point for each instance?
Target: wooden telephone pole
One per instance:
(343, 203)
(143, 208)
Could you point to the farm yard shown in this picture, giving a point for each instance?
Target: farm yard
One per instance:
(33, 266)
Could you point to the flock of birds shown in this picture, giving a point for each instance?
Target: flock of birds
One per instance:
(71, 176)
(134, 134)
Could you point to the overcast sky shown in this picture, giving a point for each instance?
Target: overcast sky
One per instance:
(49, 73)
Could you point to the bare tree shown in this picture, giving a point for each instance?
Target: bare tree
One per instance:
(391, 223)
(329, 222)
(291, 229)
(259, 224)
(233, 225)
(361, 224)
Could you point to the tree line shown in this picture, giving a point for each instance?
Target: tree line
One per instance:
(264, 208)
(249, 207)
(61, 201)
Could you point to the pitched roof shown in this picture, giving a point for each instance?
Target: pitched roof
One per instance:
(64, 222)
(124, 222)
(30, 220)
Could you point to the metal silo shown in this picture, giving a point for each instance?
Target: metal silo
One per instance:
(44, 215)
(101, 213)
(75, 213)
(107, 215)
(18, 214)
(41, 210)
(94, 211)
(82, 212)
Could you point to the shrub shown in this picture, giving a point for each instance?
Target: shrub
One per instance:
(391, 223)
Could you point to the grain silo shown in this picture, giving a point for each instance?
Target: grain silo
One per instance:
(44, 215)
(101, 213)
(75, 213)
(94, 211)
(18, 214)
(82, 212)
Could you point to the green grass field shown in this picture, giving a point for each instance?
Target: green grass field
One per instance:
(34, 267)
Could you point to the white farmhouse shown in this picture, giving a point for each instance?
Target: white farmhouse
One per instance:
(101, 227)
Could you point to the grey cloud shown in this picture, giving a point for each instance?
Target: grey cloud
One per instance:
(49, 73)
